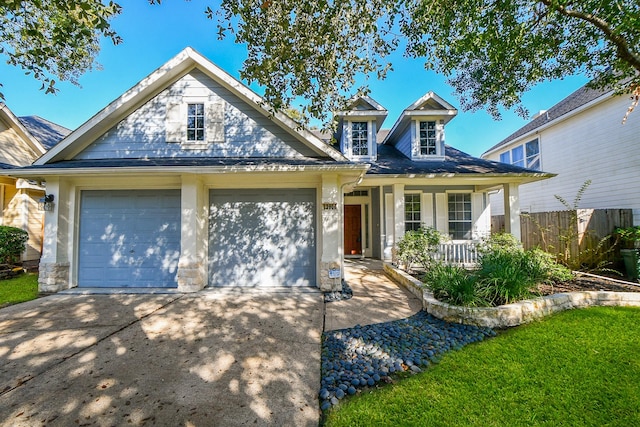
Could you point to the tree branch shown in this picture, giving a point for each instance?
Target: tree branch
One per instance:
(624, 52)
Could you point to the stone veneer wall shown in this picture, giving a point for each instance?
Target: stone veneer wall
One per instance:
(53, 277)
(190, 278)
(510, 314)
(327, 284)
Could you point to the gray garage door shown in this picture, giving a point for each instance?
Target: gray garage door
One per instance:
(262, 238)
(129, 238)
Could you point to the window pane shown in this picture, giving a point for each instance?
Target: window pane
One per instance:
(427, 136)
(195, 122)
(411, 212)
(505, 157)
(359, 140)
(533, 154)
(460, 216)
(517, 156)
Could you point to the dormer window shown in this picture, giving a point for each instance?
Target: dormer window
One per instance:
(427, 139)
(359, 139)
(357, 129)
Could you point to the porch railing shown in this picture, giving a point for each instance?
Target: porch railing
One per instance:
(461, 253)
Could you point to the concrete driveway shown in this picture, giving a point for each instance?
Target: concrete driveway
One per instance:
(204, 359)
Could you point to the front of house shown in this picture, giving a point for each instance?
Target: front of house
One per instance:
(188, 180)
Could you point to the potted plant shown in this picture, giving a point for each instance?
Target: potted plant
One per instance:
(629, 238)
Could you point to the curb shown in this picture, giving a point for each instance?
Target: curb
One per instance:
(509, 315)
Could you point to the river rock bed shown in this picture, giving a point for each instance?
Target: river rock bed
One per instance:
(362, 356)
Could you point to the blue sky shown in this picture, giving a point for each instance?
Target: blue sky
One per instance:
(154, 34)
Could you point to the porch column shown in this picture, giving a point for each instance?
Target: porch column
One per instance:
(398, 213)
(54, 262)
(331, 235)
(192, 265)
(512, 210)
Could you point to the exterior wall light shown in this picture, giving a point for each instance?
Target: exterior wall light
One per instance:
(46, 203)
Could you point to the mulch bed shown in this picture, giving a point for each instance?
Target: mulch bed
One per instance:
(589, 283)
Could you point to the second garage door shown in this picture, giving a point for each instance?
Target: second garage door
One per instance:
(262, 238)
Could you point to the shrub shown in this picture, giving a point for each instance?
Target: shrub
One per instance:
(499, 242)
(507, 273)
(454, 285)
(505, 277)
(418, 247)
(12, 244)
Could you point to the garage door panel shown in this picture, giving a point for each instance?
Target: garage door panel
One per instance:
(127, 240)
(262, 238)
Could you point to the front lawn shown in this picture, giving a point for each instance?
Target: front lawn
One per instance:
(580, 367)
(19, 289)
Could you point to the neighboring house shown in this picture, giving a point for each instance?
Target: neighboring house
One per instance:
(23, 140)
(189, 180)
(581, 138)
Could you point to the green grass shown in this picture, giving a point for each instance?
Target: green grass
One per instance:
(19, 289)
(580, 367)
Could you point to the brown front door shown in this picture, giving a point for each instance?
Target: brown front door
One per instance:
(352, 230)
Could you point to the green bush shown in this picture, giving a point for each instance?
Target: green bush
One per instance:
(418, 247)
(454, 285)
(505, 277)
(12, 244)
(507, 273)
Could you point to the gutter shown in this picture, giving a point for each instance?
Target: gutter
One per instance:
(143, 170)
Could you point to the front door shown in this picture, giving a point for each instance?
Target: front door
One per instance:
(352, 230)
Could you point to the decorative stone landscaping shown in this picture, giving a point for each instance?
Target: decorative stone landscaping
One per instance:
(364, 355)
(511, 314)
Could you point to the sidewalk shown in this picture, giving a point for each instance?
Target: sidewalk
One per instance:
(376, 298)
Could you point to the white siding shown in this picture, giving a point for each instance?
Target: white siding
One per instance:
(592, 145)
(144, 133)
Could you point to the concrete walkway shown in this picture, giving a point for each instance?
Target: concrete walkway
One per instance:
(376, 298)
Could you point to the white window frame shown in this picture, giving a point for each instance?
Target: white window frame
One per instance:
(527, 160)
(199, 123)
(416, 143)
(428, 140)
(413, 221)
(533, 158)
(451, 221)
(213, 122)
(367, 138)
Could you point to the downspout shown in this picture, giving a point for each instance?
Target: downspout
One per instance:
(342, 187)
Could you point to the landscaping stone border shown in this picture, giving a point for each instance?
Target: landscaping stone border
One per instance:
(508, 315)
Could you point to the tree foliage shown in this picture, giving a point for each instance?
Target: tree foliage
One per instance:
(55, 39)
(492, 51)
(323, 51)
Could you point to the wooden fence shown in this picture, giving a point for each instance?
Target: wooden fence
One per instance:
(564, 232)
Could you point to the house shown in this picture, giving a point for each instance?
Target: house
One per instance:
(190, 180)
(580, 138)
(23, 140)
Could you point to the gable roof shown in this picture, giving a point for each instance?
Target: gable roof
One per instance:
(363, 107)
(7, 116)
(187, 60)
(46, 132)
(428, 105)
(578, 100)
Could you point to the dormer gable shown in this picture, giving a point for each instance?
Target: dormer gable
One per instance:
(419, 131)
(357, 128)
